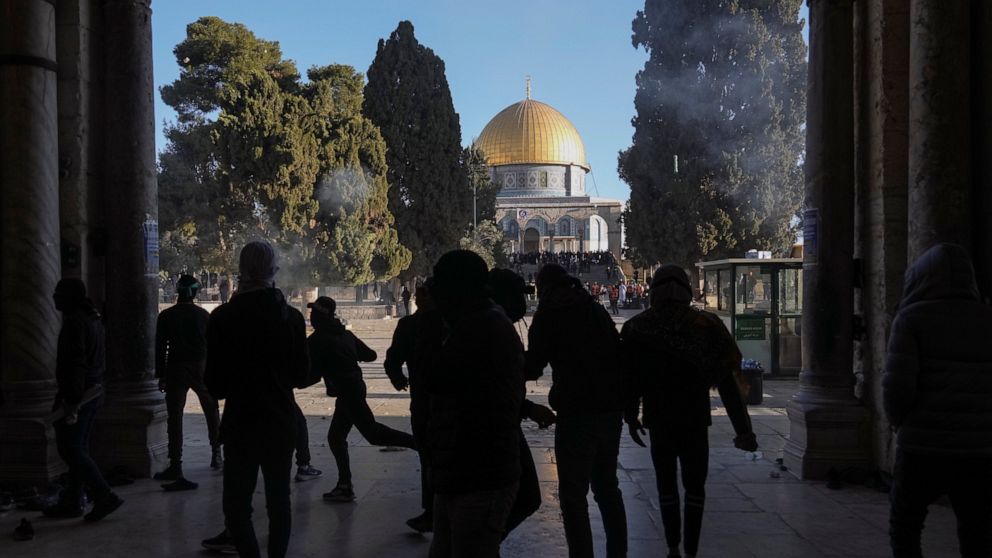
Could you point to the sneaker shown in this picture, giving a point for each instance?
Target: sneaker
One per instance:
(104, 507)
(221, 543)
(63, 510)
(216, 459)
(306, 473)
(171, 473)
(423, 523)
(24, 531)
(179, 485)
(341, 493)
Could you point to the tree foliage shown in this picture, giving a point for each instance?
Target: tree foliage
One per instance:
(481, 183)
(723, 90)
(407, 96)
(258, 152)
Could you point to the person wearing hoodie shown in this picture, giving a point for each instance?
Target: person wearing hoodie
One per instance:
(180, 359)
(937, 394)
(672, 355)
(335, 353)
(586, 394)
(80, 363)
(416, 338)
(256, 356)
(476, 386)
(509, 292)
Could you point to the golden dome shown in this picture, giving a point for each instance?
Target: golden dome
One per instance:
(531, 132)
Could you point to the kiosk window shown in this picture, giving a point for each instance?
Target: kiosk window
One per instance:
(791, 291)
(726, 289)
(710, 290)
(754, 289)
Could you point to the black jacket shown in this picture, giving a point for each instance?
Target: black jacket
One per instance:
(180, 336)
(672, 355)
(415, 338)
(335, 353)
(937, 386)
(476, 386)
(577, 336)
(256, 355)
(81, 359)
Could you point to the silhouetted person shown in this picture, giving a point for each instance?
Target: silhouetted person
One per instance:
(509, 292)
(415, 340)
(476, 384)
(79, 369)
(256, 355)
(335, 353)
(225, 289)
(405, 295)
(577, 336)
(180, 361)
(937, 393)
(673, 354)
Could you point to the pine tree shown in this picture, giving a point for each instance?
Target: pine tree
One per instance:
(407, 97)
(257, 152)
(715, 165)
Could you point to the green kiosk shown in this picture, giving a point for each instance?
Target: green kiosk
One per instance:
(760, 301)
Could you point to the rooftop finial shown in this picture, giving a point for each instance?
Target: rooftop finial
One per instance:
(528, 87)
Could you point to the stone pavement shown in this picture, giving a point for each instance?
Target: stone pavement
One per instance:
(752, 508)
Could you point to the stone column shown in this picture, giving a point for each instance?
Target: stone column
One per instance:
(828, 425)
(940, 199)
(981, 68)
(131, 432)
(29, 240)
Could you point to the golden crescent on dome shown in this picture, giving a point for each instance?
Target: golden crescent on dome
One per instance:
(531, 133)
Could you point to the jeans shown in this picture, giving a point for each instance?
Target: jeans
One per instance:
(920, 479)
(73, 443)
(586, 450)
(181, 378)
(302, 439)
(471, 525)
(419, 416)
(351, 409)
(241, 466)
(691, 449)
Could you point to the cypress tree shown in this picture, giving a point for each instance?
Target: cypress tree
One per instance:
(715, 164)
(407, 97)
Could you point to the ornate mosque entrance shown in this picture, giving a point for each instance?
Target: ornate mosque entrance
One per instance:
(532, 241)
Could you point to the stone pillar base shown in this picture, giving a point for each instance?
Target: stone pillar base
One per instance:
(28, 456)
(825, 436)
(130, 429)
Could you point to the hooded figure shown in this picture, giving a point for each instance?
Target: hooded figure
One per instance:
(673, 354)
(79, 367)
(256, 355)
(578, 338)
(937, 393)
(334, 354)
(476, 386)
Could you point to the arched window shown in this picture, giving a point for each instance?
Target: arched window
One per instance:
(565, 227)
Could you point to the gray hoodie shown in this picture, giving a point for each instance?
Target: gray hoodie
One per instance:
(937, 386)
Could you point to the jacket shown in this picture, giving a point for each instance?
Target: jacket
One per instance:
(180, 336)
(476, 387)
(335, 353)
(577, 336)
(937, 385)
(80, 362)
(256, 355)
(672, 355)
(415, 338)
